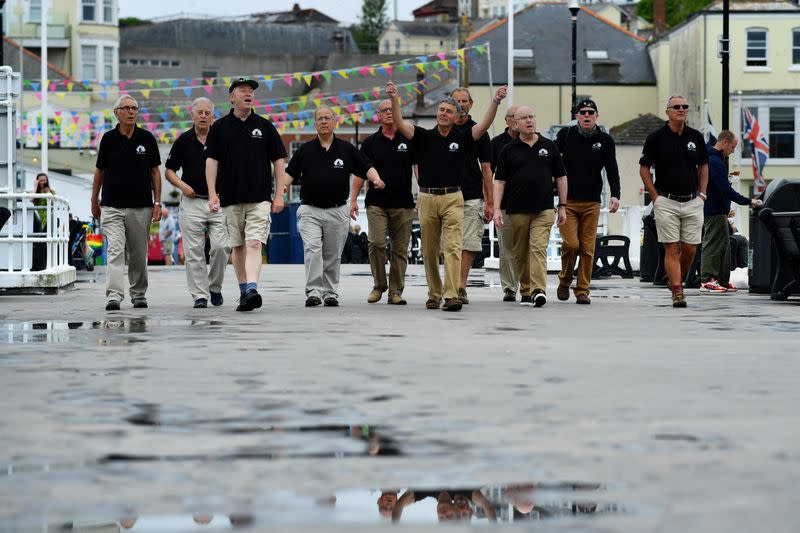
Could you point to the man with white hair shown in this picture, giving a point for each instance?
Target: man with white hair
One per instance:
(195, 216)
(128, 174)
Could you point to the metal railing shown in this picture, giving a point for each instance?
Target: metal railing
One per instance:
(16, 237)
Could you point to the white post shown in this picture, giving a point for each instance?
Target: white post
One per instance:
(510, 67)
(45, 128)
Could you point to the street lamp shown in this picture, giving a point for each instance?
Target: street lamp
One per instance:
(573, 9)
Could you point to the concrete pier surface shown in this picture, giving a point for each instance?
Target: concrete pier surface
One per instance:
(625, 415)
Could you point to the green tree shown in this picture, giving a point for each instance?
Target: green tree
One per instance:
(677, 10)
(127, 22)
(373, 21)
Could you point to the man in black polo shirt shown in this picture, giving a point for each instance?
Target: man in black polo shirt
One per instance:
(390, 209)
(586, 150)
(195, 216)
(526, 170)
(239, 149)
(509, 281)
(323, 167)
(441, 153)
(477, 191)
(128, 174)
(679, 156)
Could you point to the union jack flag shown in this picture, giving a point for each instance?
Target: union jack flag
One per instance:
(759, 148)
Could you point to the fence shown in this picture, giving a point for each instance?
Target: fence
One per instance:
(17, 237)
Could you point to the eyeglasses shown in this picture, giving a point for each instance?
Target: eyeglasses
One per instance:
(324, 119)
(387, 110)
(128, 108)
(679, 106)
(525, 117)
(589, 112)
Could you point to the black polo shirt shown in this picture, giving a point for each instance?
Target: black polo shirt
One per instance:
(126, 165)
(498, 143)
(324, 175)
(585, 156)
(393, 159)
(187, 153)
(676, 158)
(244, 150)
(481, 153)
(529, 172)
(441, 159)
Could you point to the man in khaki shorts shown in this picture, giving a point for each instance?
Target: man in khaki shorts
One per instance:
(239, 149)
(678, 154)
(477, 190)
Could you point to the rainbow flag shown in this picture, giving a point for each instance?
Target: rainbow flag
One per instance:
(95, 242)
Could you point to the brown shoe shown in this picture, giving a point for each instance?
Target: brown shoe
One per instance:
(462, 295)
(374, 296)
(562, 293)
(396, 299)
(452, 304)
(583, 299)
(678, 299)
(431, 304)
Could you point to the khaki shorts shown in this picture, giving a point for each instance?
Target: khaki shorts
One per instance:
(473, 225)
(247, 222)
(167, 246)
(679, 221)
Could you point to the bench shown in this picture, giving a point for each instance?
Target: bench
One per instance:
(609, 252)
(784, 228)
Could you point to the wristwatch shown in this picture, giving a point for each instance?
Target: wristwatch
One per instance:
(156, 203)
(702, 195)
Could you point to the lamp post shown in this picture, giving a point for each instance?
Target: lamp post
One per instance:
(573, 10)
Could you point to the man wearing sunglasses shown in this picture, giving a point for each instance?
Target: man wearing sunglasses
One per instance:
(680, 159)
(128, 174)
(389, 210)
(586, 151)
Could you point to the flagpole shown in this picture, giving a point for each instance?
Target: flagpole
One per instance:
(491, 83)
(510, 54)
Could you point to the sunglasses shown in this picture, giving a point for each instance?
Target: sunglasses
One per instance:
(679, 106)
(589, 112)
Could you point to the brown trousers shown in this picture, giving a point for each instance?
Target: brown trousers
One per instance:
(531, 237)
(441, 221)
(397, 222)
(578, 236)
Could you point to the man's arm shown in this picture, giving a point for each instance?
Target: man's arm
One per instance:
(499, 189)
(702, 178)
(406, 499)
(481, 127)
(612, 173)
(280, 184)
(155, 176)
(403, 126)
(488, 190)
(173, 178)
(647, 180)
(561, 186)
(358, 184)
(97, 184)
(211, 180)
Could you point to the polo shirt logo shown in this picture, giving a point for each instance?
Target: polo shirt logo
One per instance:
(543, 152)
(338, 163)
(257, 134)
(597, 146)
(691, 146)
(454, 147)
(140, 150)
(402, 147)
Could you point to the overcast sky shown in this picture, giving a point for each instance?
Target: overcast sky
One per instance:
(346, 11)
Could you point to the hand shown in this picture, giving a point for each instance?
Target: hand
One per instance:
(488, 212)
(654, 198)
(500, 94)
(756, 203)
(498, 218)
(391, 89)
(213, 202)
(277, 204)
(156, 212)
(378, 184)
(354, 209)
(188, 191)
(96, 209)
(613, 205)
(562, 215)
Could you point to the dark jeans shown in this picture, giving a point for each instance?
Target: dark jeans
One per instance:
(716, 252)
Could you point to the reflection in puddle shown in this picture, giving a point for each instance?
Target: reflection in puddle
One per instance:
(53, 331)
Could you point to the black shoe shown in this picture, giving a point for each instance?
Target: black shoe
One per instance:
(140, 303)
(200, 303)
(525, 300)
(112, 305)
(244, 303)
(330, 301)
(452, 304)
(539, 299)
(216, 299)
(509, 296)
(253, 299)
(313, 301)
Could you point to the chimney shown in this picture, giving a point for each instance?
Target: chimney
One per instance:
(296, 8)
(659, 17)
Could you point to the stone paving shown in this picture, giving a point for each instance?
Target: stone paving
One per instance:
(626, 415)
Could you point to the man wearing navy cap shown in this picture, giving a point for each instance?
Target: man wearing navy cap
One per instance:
(239, 149)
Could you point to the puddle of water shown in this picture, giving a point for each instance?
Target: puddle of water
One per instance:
(55, 331)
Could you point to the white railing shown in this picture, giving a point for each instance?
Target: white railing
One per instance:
(16, 239)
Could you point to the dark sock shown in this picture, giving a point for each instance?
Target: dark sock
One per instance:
(250, 286)
(242, 288)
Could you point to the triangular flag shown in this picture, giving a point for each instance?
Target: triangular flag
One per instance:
(146, 93)
(307, 79)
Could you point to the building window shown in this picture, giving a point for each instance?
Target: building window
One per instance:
(397, 46)
(781, 132)
(89, 8)
(756, 47)
(35, 11)
(108, 11)
(796, 46)
(387, 46)
(89, 62)
(596, 54)
(108, 63)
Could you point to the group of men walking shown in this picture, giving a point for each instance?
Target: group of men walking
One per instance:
(465, 179)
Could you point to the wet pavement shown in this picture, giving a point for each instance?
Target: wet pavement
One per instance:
(626, 415)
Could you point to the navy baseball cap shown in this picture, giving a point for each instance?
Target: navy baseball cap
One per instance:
(242, 81)
(586, 102)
